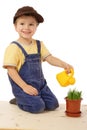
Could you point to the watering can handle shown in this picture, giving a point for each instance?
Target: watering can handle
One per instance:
(71, 73)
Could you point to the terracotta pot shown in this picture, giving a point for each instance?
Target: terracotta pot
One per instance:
(73, 107)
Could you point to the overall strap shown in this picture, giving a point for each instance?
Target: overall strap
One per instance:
(38, 46)
(23, 50)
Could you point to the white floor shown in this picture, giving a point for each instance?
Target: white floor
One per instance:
(12, 118)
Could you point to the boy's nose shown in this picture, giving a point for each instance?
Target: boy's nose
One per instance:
(26, 26)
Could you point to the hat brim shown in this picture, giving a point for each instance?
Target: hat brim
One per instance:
(37, 16)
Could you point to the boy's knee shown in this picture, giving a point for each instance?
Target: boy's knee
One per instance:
(35, 108)
(52, 105)
(38, 107)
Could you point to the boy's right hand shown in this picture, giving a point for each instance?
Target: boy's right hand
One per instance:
(30, 90)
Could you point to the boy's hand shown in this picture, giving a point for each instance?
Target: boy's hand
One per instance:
(30, 90)
(68, 68)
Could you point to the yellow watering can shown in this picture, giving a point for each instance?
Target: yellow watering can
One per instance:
(65, 78)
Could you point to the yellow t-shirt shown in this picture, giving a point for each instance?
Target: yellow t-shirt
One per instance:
(14, 56)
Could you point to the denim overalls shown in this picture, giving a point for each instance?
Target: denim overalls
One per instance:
(31, 73)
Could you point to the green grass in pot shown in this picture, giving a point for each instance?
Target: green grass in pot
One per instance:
(74, 94)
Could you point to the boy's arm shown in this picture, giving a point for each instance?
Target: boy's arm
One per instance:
(18, 80)
(59, 63)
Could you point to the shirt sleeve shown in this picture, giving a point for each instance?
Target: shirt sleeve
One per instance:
(11, 56)
(44, 51)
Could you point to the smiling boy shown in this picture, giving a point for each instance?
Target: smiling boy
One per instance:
(23, 59)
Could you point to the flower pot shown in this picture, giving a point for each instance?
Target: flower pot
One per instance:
(73, 107)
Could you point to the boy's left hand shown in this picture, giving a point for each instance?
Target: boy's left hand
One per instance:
(68, 68)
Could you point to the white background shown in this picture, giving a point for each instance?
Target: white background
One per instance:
(64, 33)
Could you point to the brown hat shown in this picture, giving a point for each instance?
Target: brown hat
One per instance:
(29, 11)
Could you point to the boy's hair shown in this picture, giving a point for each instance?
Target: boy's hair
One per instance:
(28, 11)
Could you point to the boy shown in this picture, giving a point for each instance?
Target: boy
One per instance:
(23, 58)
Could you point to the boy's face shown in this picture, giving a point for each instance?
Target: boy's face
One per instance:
(26, 26)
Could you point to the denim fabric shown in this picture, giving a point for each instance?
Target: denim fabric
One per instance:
(31, 73)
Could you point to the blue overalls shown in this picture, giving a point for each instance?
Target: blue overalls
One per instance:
(31, 73)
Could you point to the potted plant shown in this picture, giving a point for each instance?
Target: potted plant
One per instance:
(73, 103)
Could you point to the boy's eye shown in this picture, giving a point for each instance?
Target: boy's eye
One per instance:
(21, 23)
(31, 24)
